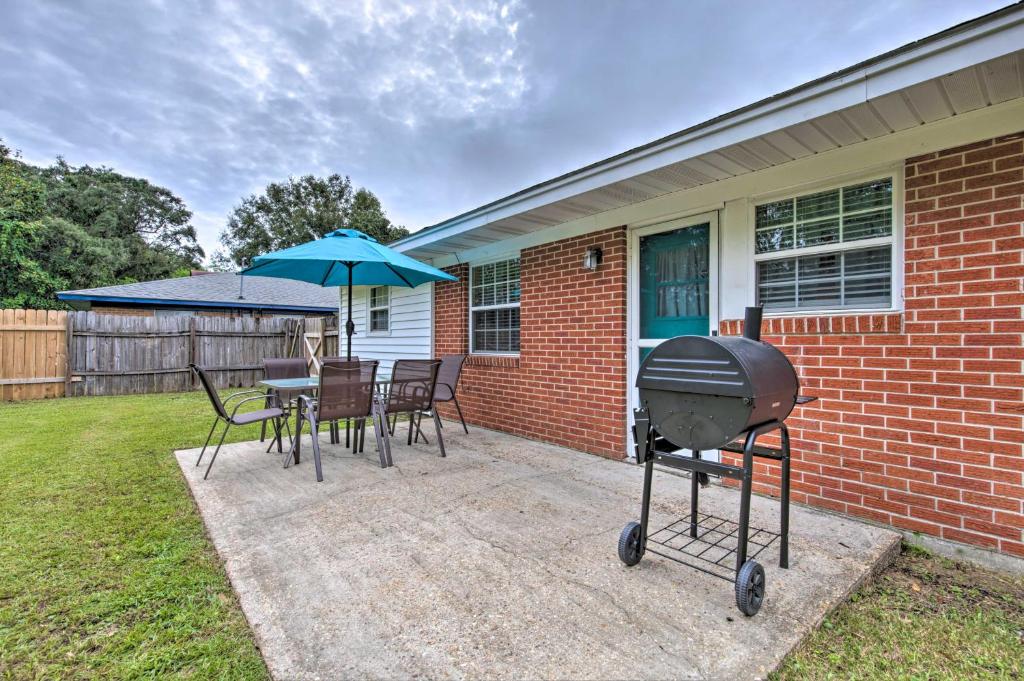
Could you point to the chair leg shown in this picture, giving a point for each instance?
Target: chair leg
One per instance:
(214, 457)
(263, 431)
(293, 452)
(277, 434)
(437, 429)
(412, 419)
(362, 435)
(383, 433)
(419, 430)
(461, 418)
(379, 433)
(314, 429)
(207, 443)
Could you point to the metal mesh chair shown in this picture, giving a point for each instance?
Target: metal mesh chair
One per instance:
(335, 430)
(346, 391)
(220, 409)
(411, 392)
(448, 382)
(273, 368)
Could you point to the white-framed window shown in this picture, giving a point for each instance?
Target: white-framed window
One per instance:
(379, 309)
(494, 307)
(827, 250)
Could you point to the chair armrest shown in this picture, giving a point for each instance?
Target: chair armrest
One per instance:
(261, 396)
(239, 394)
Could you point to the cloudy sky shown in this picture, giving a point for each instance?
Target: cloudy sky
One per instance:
(437, 106)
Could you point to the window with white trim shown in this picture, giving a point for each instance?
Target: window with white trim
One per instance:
(379, 309)
(494, 307)
(828, 250)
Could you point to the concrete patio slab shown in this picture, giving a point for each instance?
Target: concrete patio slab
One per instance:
(499, 561)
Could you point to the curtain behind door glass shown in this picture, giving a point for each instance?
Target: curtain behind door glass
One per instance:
(682, 282)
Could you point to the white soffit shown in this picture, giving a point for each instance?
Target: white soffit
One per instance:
(825, 115)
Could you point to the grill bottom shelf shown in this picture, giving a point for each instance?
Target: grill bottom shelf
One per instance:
(713, 550)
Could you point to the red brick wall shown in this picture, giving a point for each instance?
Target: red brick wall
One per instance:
(568, 385)
(921, 426)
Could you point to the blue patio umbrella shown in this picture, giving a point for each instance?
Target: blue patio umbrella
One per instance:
(346, 257)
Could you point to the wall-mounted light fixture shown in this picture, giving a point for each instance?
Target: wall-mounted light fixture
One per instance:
(592, 258)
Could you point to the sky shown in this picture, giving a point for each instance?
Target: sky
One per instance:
(437, 106)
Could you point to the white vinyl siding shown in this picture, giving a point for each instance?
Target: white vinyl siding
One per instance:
(827, 250)
(410, 326)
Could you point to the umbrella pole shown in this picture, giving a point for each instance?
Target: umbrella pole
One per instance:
(350, 327)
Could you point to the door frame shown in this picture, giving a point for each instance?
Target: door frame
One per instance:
(633, 296)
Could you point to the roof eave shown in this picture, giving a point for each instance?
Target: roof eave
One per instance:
(240, 304)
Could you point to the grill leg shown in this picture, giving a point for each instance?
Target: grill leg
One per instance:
(784, 540)
(645, 504)
(744, 527)
(694, 497)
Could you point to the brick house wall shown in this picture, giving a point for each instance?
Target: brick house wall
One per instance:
(919, 424)
(568, 384)
(920, 421)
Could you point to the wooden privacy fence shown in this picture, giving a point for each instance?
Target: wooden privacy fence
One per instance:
(55, 353)
(33, 354)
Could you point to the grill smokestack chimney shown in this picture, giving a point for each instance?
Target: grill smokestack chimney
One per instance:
(752, 323)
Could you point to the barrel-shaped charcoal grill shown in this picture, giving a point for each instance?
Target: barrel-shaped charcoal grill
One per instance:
(701, 393)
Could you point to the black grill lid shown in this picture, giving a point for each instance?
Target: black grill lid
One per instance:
(729, 366)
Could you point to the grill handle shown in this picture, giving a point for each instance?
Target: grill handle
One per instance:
(752, 323)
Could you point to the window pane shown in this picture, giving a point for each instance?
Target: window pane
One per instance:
(868, 277)
(496, 330)
(860, 278)
(774, 239)
(379, 296)
(772, 214)
(825, 265)
(379, 320)
(817, 205)
(817, 233)
(867, 225)
(776, 283)
(873, 194)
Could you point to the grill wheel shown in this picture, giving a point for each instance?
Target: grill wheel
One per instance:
(630, 552)
(750, 588)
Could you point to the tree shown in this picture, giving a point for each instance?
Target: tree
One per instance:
(299, 210)
(151, 224)
(23, 282)
(63, 227)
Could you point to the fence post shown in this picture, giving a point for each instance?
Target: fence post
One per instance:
(69, 340)
(192, 348)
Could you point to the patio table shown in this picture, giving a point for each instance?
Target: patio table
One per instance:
(308, 385)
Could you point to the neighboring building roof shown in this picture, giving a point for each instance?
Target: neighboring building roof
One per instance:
(921, 82)
(215, 289)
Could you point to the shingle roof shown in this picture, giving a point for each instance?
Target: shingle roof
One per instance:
(216, 290)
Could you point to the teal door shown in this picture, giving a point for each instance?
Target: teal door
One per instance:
(675, 278)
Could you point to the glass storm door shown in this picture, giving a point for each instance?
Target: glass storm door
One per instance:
(675, 283)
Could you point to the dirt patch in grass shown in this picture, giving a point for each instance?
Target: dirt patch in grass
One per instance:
(926, 617)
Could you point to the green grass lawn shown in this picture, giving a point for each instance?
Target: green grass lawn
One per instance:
(926, 617)
(105, 569)
(106, 572)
